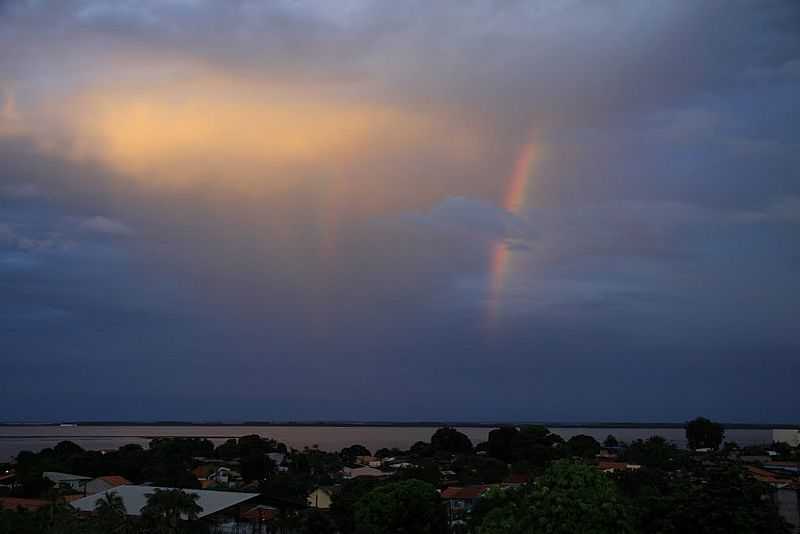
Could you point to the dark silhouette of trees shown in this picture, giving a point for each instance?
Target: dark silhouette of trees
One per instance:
(568, 498)
(583, 446)
(410, 506)
(450, 441)
(170, 511)
(702, 433)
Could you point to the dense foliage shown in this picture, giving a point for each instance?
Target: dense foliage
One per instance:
(702, 433)
(410, 506)
(663, 489)
(570, 497)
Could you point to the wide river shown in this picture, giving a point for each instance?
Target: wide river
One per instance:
(14, 439)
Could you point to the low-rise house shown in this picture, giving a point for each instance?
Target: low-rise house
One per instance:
(611, 467)
(104, 483)
(216, 476)
(402, 465)
(8, 478)
(461, 499)
(370, 461)
(67, 480)
(356, 472)
(279, 459)
(321, 498)
(220, 508)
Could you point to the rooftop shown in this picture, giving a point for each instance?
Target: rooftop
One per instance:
(135, 498)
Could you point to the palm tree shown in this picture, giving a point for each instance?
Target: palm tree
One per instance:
(165, 509)
(110, 510)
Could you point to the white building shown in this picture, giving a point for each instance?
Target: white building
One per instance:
(66, 480)
(790, 436)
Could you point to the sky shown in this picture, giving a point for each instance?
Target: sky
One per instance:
(364, 210)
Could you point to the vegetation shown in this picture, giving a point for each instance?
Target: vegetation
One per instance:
(570, 497)
(704, 434)
(401, 507)
(666, 490)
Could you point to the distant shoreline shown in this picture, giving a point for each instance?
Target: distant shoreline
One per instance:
(389, 424)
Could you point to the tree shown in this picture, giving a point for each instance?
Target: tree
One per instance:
(583, 446)
(702, 433)
(610, 441)
(166, 510)
(256, 466)
(451, 441)
(569, 497)
(480, 470)
(317, 522)
(501, 443)
(654, 452)
(110, 510)
(407, 507)
(727, 500)
(343, 504)
(349, 454)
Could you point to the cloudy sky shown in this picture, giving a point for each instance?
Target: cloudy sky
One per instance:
(303, 209)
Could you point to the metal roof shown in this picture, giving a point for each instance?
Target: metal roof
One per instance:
(135, 498)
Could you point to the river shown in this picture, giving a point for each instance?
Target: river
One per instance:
(14, 439)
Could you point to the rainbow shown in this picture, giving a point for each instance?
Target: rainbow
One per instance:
(513, 202)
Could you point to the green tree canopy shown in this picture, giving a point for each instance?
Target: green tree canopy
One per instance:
(451, 441)
(169, 510)
(568, 498)
(407, 507)
(702, 433)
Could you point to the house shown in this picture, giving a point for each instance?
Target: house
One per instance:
(216, 505)
(321, 498)
(460, 500)
(402, 465)
(104, 483)
(279, 459)
(355, 472)
(216, 476)
(611, 467)
(67, 480)
(7, 478)
(370, 461)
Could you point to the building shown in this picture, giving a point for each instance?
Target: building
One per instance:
(790, 436)
(321, 498)
(370, 461)
(611, 467)
(100, 484)
(218, 507)
(355, 472)
(67, 480)
(216, 476)
(460, 500)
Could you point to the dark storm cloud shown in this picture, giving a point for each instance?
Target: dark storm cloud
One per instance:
(653, 266)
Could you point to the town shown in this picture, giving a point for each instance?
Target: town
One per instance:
(521, 480)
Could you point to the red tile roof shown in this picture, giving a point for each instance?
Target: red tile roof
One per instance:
(465, 493)
(12, 503)
(116, 480)
(518, 478)
(615, 466)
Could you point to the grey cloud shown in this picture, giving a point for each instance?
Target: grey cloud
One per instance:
(657, 249)
(104, 225)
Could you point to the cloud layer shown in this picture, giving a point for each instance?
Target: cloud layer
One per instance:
(310, 199)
